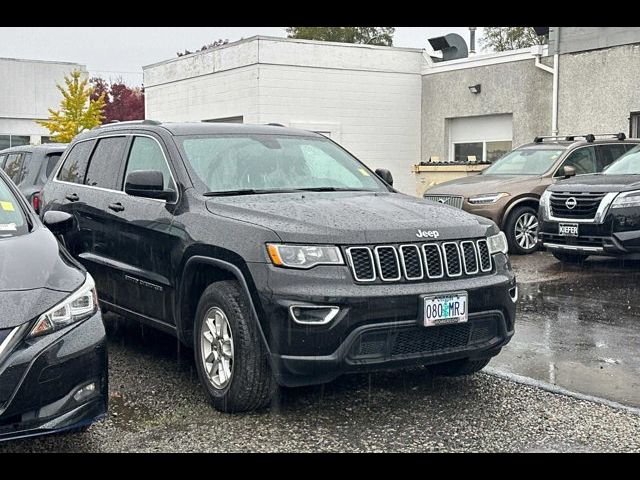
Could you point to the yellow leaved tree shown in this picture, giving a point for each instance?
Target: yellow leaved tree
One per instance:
(77, 111)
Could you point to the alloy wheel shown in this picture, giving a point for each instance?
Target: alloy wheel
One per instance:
(526, 231)
(216, 347)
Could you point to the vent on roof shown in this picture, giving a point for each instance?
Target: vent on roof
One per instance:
(451, 45)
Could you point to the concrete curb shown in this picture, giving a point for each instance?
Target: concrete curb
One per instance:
(549, 387)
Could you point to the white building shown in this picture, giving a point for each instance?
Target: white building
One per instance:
(27, 90)
(365, 97)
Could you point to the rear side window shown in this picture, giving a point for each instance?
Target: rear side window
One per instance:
(52, 161)
(75, 164)
(105, 163)
(15, 167)
(2, 159)
(146, 154)
(607, 154)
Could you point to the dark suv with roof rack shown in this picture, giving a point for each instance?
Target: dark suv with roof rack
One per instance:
(508, 192)
(596, 214)
(279, 257)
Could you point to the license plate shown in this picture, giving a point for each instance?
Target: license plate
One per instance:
(568, 229)
(445, 308)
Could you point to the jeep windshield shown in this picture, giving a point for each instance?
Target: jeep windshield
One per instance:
(12, 220)
(628, 164)
(258, 164)
(524, 161)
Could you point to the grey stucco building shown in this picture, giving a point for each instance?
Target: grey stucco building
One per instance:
(596, 69)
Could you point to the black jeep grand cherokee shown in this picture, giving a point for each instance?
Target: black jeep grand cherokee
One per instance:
(278, 256)
(597, 214)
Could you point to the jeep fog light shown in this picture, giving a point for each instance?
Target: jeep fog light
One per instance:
(313, 315)
(84, 392)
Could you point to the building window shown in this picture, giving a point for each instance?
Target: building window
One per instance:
(468, 152)
(634, 125)
(7, 141)
(476, 152)
(495, 150)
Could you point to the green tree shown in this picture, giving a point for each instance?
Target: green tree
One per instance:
(368, 35)
(500, 39)
(77, 111)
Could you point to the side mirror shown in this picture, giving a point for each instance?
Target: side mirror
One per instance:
(568, 171)
(58, 222)
(148, 184)
(385, 175)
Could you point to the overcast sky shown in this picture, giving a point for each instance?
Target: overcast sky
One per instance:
(113, 52)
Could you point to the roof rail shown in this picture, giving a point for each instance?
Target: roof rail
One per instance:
(130, 122)
(275, 124)
(589, 137)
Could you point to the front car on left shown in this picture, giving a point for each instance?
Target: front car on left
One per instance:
(53, 352)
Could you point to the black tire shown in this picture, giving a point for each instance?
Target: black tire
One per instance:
(459, 368)
(251, 384)
(572, 258)
(510, 230)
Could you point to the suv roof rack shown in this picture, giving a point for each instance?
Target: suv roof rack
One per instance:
(589, 137)
(130, 122)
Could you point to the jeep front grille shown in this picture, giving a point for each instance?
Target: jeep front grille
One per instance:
(453, 200)
(414, 262)
(585, 206)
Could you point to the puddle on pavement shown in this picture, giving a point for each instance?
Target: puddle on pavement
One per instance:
(124, 414)
(580, 332)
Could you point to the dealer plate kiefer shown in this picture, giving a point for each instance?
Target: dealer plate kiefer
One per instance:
(568, 229)
(445, 308)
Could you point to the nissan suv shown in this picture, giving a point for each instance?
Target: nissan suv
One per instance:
(508, 192)
(279, 257)
(595, 214)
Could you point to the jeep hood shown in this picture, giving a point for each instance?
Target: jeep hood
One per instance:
(35, 274)
(349, 217)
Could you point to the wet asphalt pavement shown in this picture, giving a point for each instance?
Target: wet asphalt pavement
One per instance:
(577, 327)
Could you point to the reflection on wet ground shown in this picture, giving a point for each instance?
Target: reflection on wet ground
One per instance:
(577, 327)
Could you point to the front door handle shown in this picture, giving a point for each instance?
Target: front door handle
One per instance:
(73, 197)
(116, 207)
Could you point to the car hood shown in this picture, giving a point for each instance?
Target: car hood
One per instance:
(598, 183)
(35, 274)
(349, 217)
(482, 184)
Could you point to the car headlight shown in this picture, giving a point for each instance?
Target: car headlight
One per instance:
(486, 198)
(498, 243)
(304, 256)
(78, 306)
(627, 199)
(544, 204)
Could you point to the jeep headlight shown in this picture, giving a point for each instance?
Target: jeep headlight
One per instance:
(304, 256)
(627, 199)
(486, 198)
(498, 243)
(78, 306)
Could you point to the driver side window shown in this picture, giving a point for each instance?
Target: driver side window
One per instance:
(146, 154)
(582, 159)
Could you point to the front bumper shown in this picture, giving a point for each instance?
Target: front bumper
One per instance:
(378, 325)
(617, 235)
(39, 378)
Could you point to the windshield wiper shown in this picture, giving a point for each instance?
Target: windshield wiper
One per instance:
(333, 189)
(244, 191)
